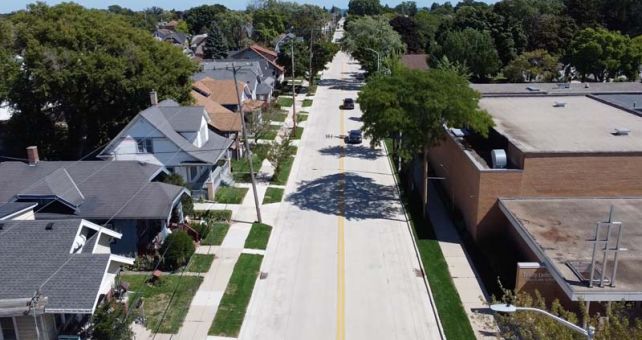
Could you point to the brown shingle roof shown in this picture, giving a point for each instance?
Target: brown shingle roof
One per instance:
(268, 53)
(221, 118)
(220, 91)
(415, 61)
(252, 104)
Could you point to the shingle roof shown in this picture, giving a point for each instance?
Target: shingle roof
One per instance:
(10, 208)
(121, 190)
(221, 91)
(267, 54)
(210, 152)
(415, 61)
(166, 34)
(32, 256)
(221, 118)
(57, 184)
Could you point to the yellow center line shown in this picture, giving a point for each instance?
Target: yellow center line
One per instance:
(340, 235)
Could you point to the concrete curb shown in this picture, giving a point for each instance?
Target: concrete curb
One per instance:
(414, 244)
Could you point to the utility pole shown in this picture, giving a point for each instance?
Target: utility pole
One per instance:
(293, 93)
(311, 75)
(248, 153)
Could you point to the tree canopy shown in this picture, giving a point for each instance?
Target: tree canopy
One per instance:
(474, 49)
(364, 7)
(366, 34)
(215, 45)
(81, 75)
(199, 18)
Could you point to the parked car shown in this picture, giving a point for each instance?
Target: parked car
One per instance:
(348, 104)
(354, 137)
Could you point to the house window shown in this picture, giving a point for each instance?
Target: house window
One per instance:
(193, 172)
(145, 145)
(7, 329)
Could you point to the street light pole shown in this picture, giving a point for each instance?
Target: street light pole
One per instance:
(248, 153)
(293, 94)
(378, 58)
(589, 332)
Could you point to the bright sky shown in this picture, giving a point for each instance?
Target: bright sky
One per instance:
(13, 5)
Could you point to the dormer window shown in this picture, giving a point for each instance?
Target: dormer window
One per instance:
(145, 145)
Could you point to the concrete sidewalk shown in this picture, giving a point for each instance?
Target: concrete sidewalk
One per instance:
(462, 272)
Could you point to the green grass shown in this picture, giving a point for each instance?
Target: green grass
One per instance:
(230, 195)
(200, 263)
(298, 133)
(164, 313)
(241, 167)
(273, 195)
(278, 117)
(258, 237)
(301, 117)
(285, 101)
(281, 174)
(216, 235)
(231, 310)
(270, 133)
(449, 307)
(307, 102)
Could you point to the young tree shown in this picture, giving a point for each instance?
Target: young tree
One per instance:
(84, 74)
(215, 45)
(366, 34)
(178, 248)
(392, 105)
(536, 65)
(279, 152)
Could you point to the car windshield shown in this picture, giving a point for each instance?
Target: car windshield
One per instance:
(355, 133)
(348, 100)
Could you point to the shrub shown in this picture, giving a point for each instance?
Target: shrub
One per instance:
(202, 228)
(178, 248)
(109, 323)
(186, 201)
(215, 215)
(145, 263)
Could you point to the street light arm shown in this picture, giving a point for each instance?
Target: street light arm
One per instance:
(558, 319)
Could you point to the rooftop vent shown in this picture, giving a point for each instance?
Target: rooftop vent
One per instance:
(499, 159)
(533, 88)
(559, 104)
(49, 226)
(564, 85)
(1, 226)
(621, 132)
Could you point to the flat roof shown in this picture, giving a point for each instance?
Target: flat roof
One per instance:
(626, 101)
(559, 230)
(534, 124)
(517, 89)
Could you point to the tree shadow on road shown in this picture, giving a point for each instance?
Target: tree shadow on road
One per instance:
(355, 151)
(364, 199)
(342, 84)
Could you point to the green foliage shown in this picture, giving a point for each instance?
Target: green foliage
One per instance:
(604, 54)
(322, 53)
(536, 65)
(279, 152)
(408, 8)
(268, 24)
(109, 323)
(216, 235)
(203, 229)
(390, 105)
(85, 74)
(301, 58)
(234, 26)
(258, 237)
(200, 263)
(186, 200)
(407, 29)
(215, 45)
(273, 195)
(178, 248)
(215, 215)
(199, 18)
(474, 49)
(230, 195)
(372, 33)
(182, 27)
(364, 7)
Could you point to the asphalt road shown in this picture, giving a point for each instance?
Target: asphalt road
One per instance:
(340, 262)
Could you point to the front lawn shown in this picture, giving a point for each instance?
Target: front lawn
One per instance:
(281, 175)
(258, 237)
(230, 195)
(200, 263)
(216, 235)
(285, 101)
(273, 195)
(233, 305)
(307, 102)
(166, 303)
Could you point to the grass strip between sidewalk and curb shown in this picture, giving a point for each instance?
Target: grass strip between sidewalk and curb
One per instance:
(157, 296)
(279, 117)
(451, 311)
(307, 102)
(298, 133)
(281, 174)
(258, 237)
(301, 117)
(285, 101)
(200, 263)
(230, 195)
(233, 305)
(273, 195)
(216, 235)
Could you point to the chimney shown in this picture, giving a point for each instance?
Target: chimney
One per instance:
(32, 155)
(153, 97)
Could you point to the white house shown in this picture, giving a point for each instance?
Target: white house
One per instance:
(178, 138)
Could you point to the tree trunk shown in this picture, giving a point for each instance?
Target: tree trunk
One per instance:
(424, 180)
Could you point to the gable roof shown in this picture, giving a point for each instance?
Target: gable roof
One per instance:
(167, 34)
(39, 256)
(267, 54)
(221, 118)
(57, 184)
(221, 91)
(415, 61)
(264, 51)
(10, 209)
(119, 190)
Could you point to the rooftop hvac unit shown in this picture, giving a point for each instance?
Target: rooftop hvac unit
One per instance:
(559, 104)
(621, 132)
(499, 159)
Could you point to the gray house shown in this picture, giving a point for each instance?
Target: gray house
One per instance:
(125, 196)
(255, 73)
(54, 275)
(179, 139)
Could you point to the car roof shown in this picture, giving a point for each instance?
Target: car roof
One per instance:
(348, 99)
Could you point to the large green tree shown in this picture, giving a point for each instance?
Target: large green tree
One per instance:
(407, 29)
(601, 54)
(531, 66)
(474, 49)
(235, 26)
(215, 45)
(268, 24)
(392, 105)
(82, 75)
(364, 7)
(366, 34)
(199, 18)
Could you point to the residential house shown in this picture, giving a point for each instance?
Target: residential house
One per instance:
(258, 52)
(54, 275)
(177, 138)
(178, 39)
(223, 121)
(223, 91)
(258, 78)
(197, 44)
(126, 196)
(415, 61)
